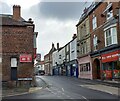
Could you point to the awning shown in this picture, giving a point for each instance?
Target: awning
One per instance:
(108, 7)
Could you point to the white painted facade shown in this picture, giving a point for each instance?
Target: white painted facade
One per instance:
(73, 49)
(61, 56)
(55, 58)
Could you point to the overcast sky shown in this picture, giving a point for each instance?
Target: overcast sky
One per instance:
(54, 21)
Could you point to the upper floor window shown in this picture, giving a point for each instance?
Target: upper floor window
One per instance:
(109, 13)
(110, 36)
(83, 48)
(95, 42)
(94, 22)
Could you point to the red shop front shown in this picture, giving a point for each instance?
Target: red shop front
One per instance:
(111, 65)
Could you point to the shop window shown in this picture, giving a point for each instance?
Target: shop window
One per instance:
(85, 67)
(107, 66)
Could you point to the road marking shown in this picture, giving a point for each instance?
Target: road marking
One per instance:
(63, 89)
(85, 98)
(109, 92)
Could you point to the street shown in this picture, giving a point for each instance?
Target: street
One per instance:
(62, 87)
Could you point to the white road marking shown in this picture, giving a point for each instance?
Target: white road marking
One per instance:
(63, 89)
(85, 98)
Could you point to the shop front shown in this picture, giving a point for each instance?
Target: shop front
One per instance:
(74, 68)
(85, 68)
(111, 65)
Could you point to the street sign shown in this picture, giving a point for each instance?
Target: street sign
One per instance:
(25, 58)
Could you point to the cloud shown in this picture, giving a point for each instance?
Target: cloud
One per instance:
(59, 10)
(5, 8)
(54, 22)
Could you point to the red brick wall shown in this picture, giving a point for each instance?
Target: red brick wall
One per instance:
(100, 21)
(98, 31)
(16, 41)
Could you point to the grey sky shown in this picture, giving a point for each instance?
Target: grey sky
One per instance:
(54, 21)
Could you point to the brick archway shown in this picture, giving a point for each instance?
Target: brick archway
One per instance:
(96, 64)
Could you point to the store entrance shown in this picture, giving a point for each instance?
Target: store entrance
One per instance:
(97, 67)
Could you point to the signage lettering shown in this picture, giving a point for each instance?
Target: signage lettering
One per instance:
(112, 56)
(25, 58)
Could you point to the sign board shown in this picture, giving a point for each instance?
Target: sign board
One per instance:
(26, 79)
(25, 58)
(112, 56)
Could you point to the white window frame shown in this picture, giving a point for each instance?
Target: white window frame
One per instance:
(113, 36)
(13, 62)
(109, 13)
(95, 42)
(94, 22)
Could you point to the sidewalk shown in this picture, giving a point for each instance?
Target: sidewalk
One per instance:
(111, 87)
(14, 91)
(103, 82)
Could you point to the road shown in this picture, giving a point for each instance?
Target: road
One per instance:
(61, 87)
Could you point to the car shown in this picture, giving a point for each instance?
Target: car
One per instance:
(41, 72)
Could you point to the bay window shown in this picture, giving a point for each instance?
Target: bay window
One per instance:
(110, 36)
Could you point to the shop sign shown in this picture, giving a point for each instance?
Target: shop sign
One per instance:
(26, 58)
(112, 56)
(25, 79)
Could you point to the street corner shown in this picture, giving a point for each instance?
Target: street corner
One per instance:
(34, 89)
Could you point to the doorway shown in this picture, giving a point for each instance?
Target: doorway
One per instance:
(97, 68)
(14, 73)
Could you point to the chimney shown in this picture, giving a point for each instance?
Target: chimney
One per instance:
(52, 45)
(16, 12)
(74, 36)
(57, 46)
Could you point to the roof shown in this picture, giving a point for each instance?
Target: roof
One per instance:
(52, 50)
(88, 11)
(7, 20)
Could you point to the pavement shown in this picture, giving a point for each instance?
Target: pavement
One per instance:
(111, 87)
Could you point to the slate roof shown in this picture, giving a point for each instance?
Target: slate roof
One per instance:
(8, 21)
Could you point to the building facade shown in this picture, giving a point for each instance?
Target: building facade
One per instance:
(17, 48)
(83, 46)
(48, 61)
(73, 56)
(104, 29)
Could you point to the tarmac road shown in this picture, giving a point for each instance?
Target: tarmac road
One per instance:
(62, 87)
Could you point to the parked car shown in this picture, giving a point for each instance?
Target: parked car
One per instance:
(41, 72)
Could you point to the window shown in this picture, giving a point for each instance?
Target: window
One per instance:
(94, 22)
(13, 62)
(95, 42)
(110, 36)
(109, 12)
(85, 67)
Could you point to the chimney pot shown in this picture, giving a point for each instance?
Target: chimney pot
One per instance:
(57, 46)
(16, 12)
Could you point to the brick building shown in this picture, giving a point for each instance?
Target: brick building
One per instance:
(48, 61)
(104, 30)
(105, 40)
(17, 47)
